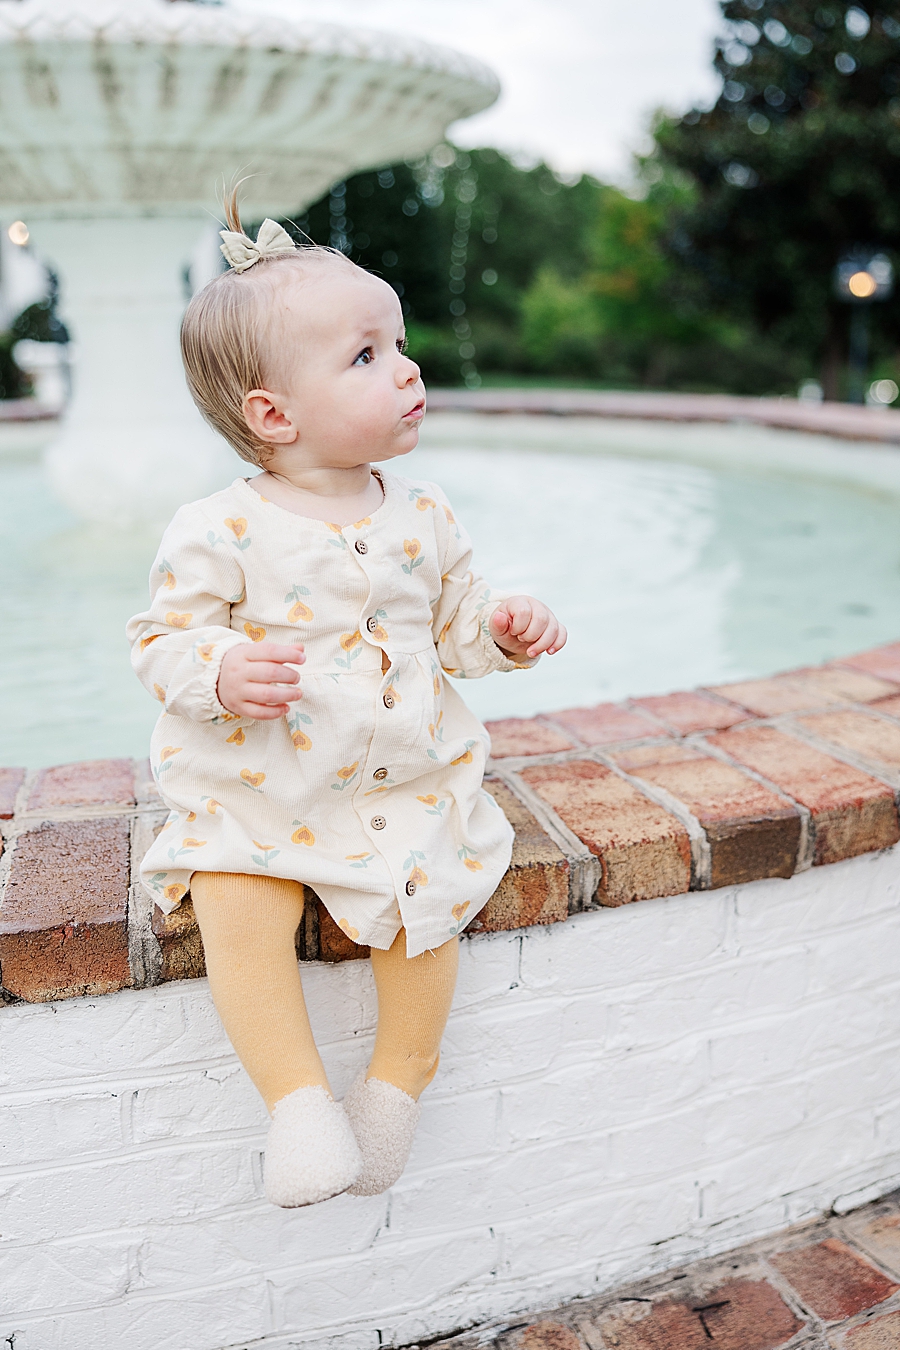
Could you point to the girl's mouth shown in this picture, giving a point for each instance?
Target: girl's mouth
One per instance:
(416, 413)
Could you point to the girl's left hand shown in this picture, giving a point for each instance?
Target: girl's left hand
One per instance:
(523, 626)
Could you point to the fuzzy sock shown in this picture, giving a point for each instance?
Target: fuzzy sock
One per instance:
(248, 925)
(414, 998)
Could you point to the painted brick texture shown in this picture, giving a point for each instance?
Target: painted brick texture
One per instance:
(618, 1093)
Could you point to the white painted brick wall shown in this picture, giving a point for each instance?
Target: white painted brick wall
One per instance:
(618, 1093)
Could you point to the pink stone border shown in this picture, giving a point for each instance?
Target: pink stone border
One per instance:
(611, 804)
(789, 414)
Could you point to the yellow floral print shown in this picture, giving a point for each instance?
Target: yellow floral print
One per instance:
(178, 620)
(237, 527)
(473, 864)
(350, 640)
(168, 751)
(423, 503)
(418, 877)
(159, 692)
(303, 835)
(301, 740)
(191, 817)
(300, 613)
(236, 738)
(254, 633)
(366, 520)
(145, 641)
(205, 650)
(459, 910)
(193, 843)
(212, 805)
(253, 780)
(175, 892)
(346, 927)
(413, 550)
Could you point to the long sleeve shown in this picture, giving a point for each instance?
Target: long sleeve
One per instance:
(463, 610)
(179, 642)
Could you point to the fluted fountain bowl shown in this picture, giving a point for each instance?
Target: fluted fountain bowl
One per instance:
(119, 125)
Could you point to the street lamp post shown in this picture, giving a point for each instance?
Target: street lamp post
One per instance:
(860, 279)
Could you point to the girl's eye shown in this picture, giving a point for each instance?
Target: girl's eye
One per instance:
(365, 358)
(402, 344)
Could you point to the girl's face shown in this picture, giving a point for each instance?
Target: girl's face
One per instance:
(345, 393)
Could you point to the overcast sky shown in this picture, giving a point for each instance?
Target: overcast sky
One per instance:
(580, 77)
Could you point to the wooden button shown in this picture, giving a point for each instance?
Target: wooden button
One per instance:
(371, 624)
(380, 774)
(410, 888)
(361, 546)
(378, 822)
(389, 700)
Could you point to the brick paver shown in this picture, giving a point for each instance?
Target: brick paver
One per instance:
(850, 809)
(10, 782)
(692, 711)
(752, 832)
(814, 1287)
(800, 690)
(607, 723)
(93, 782)
(645, 851)
(525, 736)
(833, 1280)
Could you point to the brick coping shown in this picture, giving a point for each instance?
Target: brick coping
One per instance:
(612, 804)
(831, 1284)
(844, 420)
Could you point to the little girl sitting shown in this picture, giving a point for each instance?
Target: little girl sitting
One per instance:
(300, 626)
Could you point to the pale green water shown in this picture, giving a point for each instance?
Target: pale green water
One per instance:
(677, 556)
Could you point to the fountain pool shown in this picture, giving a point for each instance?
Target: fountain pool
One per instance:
(678, 555)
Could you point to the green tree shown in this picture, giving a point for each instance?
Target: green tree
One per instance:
(461, 235)
(797, 162)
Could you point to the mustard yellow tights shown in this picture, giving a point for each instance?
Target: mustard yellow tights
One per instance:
(248, 925)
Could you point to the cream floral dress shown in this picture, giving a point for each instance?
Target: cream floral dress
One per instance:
(370, 788)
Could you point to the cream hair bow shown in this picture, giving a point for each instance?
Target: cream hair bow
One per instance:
(241, 251)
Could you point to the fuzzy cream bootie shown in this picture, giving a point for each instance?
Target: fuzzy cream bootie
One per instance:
(384, 1120)
(311, 1153)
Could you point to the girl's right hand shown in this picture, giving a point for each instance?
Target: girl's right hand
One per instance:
(257, 681)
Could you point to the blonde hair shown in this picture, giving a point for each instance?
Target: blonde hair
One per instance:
(223, 338)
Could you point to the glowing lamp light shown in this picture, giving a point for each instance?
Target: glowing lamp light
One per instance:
(862, 285)
(862, 277)
(19, 233)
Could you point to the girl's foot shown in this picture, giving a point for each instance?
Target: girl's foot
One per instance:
(311, 1153)
(384, 1120)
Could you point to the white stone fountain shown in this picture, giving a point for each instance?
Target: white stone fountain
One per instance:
(119, 124)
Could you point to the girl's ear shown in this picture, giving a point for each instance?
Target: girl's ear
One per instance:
(267, 418)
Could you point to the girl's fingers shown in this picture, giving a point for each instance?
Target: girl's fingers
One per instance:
(267, 672)
(274, 651)
(560, 641)
(545, 641)
(269, 695)
(261, 712)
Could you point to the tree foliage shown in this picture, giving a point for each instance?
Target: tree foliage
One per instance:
(797, 163)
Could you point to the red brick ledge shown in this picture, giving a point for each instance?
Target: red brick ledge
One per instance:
(611, 804)
(846, 420)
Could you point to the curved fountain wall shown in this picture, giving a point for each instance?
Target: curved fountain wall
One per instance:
(676, 1028)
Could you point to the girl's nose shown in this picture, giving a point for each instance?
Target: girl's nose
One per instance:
(409, 372)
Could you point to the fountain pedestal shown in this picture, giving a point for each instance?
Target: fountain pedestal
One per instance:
(133, 444)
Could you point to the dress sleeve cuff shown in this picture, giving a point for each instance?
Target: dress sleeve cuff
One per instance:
(497, 658)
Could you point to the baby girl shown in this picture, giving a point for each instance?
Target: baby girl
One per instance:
(301, 627)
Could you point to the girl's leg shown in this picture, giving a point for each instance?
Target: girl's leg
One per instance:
(248, 925)
(414, 998)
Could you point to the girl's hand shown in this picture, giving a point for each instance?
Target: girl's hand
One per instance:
(255, 680)
(523, 626)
